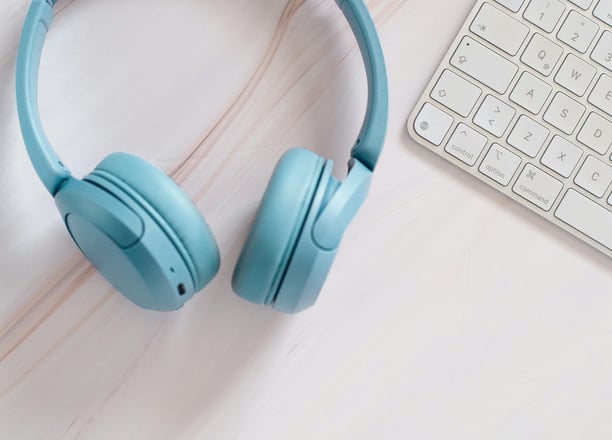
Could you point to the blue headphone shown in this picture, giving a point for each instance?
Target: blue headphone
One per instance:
(146, 237)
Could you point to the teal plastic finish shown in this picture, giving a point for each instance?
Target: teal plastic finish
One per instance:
(114, 219)
(149, 241)
(151, 272)
(168, 205)
(46, 162)
(309, 264)
(370, 142)
(333, 207)
(297, 230)
(292, 283)
(335, 217)
(51, 170)
(277, 226)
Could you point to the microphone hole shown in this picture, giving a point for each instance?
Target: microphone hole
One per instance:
(181, 289)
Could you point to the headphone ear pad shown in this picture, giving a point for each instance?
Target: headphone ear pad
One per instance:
(170, 207)
(277, 226)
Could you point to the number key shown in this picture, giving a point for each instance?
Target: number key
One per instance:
(602, 53)
(578, 31)
(603, 11)
(545, 14)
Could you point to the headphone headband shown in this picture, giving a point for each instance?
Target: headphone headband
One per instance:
(52, 171)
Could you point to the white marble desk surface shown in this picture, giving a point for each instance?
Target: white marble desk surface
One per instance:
(451, 312)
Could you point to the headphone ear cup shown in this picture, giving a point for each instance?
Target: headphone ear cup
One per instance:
(169, 207)
(268, 250)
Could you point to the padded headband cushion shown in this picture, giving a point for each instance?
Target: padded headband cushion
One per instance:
(172, 205)
(277, 226)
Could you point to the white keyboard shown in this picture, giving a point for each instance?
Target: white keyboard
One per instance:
(523, 102)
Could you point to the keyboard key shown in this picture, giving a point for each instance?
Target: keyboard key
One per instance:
(500, 164)
(575, 75)
(432, 124)
(594, 176)
(602, 54)
(537, 187)
(587, 217)
(545, 14)
(499, 29)
(528, 136)
(596, 133)
(542, 54)
(466, 144)
(564, 113)
(484, 65)
(603, 11)
(562, 156)
(494, 116)
(513, 5)
(601, 96)
(578, 31)
(530, 93)
(456, 93)
(584, 4)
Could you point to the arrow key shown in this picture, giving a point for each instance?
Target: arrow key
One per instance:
(494, 116)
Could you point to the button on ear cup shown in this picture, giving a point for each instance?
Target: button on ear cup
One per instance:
(278, 223)
(170, 207)
(124, 242)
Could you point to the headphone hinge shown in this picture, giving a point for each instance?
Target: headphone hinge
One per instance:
(342, 207)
